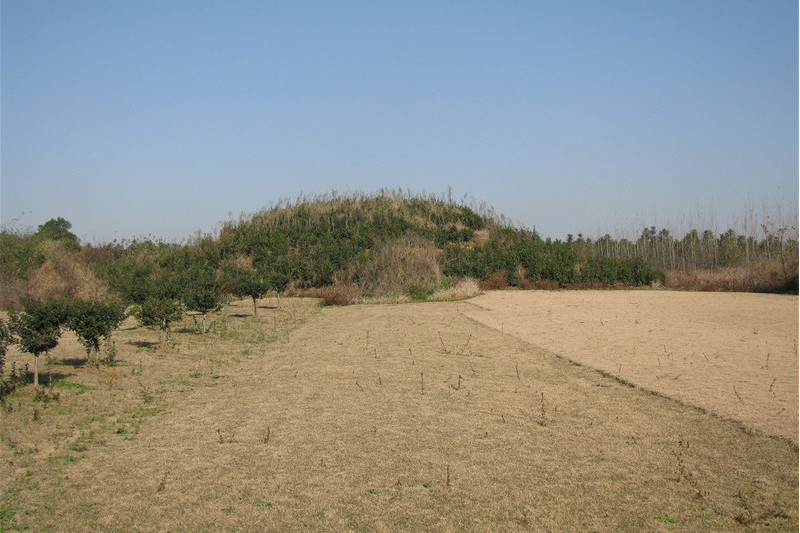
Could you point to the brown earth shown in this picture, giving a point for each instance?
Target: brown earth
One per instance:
(733, 354)
(373, 418)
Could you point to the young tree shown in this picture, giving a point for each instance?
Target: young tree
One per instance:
(92, 320)
(160, 313)
(250, 284)
(38, 329)
(278, 282)
(203, 296)
(199, 288)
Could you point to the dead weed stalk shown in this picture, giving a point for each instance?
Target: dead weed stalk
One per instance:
(162, 485)
(463, 348)
(144, 392)
(444, 348)
(682, 473)
(543, 413)
(223, 438)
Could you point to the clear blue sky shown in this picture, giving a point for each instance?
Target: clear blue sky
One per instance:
(136, 118)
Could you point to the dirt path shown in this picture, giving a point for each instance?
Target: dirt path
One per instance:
(730, 353)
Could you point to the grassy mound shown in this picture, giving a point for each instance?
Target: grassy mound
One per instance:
(383, 245)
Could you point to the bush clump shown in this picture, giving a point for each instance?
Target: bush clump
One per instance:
(93, 320)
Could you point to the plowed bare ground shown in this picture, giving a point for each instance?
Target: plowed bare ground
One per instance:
(730, 353)
(373, 418)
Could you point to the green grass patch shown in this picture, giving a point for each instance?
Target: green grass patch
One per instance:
(61, 459)
(72, 385)
(250, 337)
(419, 294)
(8, 521)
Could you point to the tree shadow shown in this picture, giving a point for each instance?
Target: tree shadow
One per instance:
(53, 376)
(144, 344)
(246, 315)
(46, 378)
(74, 362)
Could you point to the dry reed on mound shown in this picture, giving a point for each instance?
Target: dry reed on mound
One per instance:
(463, 289)
(394, 267)
(63, 274)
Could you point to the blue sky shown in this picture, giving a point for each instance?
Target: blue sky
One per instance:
(162, 118)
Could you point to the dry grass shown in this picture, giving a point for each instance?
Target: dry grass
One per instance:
(395, 266)
(545, 285)
(336, 295)
(496, 282)
(504, 436)
(352, 294)
(390, 273)
(63, 273)
(772, 277)
(462, 290)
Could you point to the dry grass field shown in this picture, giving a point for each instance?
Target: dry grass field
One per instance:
(385, 418)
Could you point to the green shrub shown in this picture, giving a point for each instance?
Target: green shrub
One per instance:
(418, 293)
(600, 270)
(6, 339)
(92, 320)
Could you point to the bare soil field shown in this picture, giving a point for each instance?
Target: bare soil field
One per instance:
(733, 354)
(410, 417)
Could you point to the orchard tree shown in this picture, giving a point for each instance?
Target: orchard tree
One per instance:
(252, 284)
(278, 282)
(160, 313)
(92, 320)
(38, 329)
(202, 293)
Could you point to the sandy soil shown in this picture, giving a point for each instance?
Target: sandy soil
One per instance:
(733, 354)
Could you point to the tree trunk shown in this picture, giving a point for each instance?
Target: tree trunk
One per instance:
(93, 348)
(204, 323)
(255, 308)
(36, 370)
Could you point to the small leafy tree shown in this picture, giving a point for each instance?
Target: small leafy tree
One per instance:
(250, 284)
(160, 313)
(203, 299)
(92, 320)
(202, 293)
(38, 329)
(278, 282)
